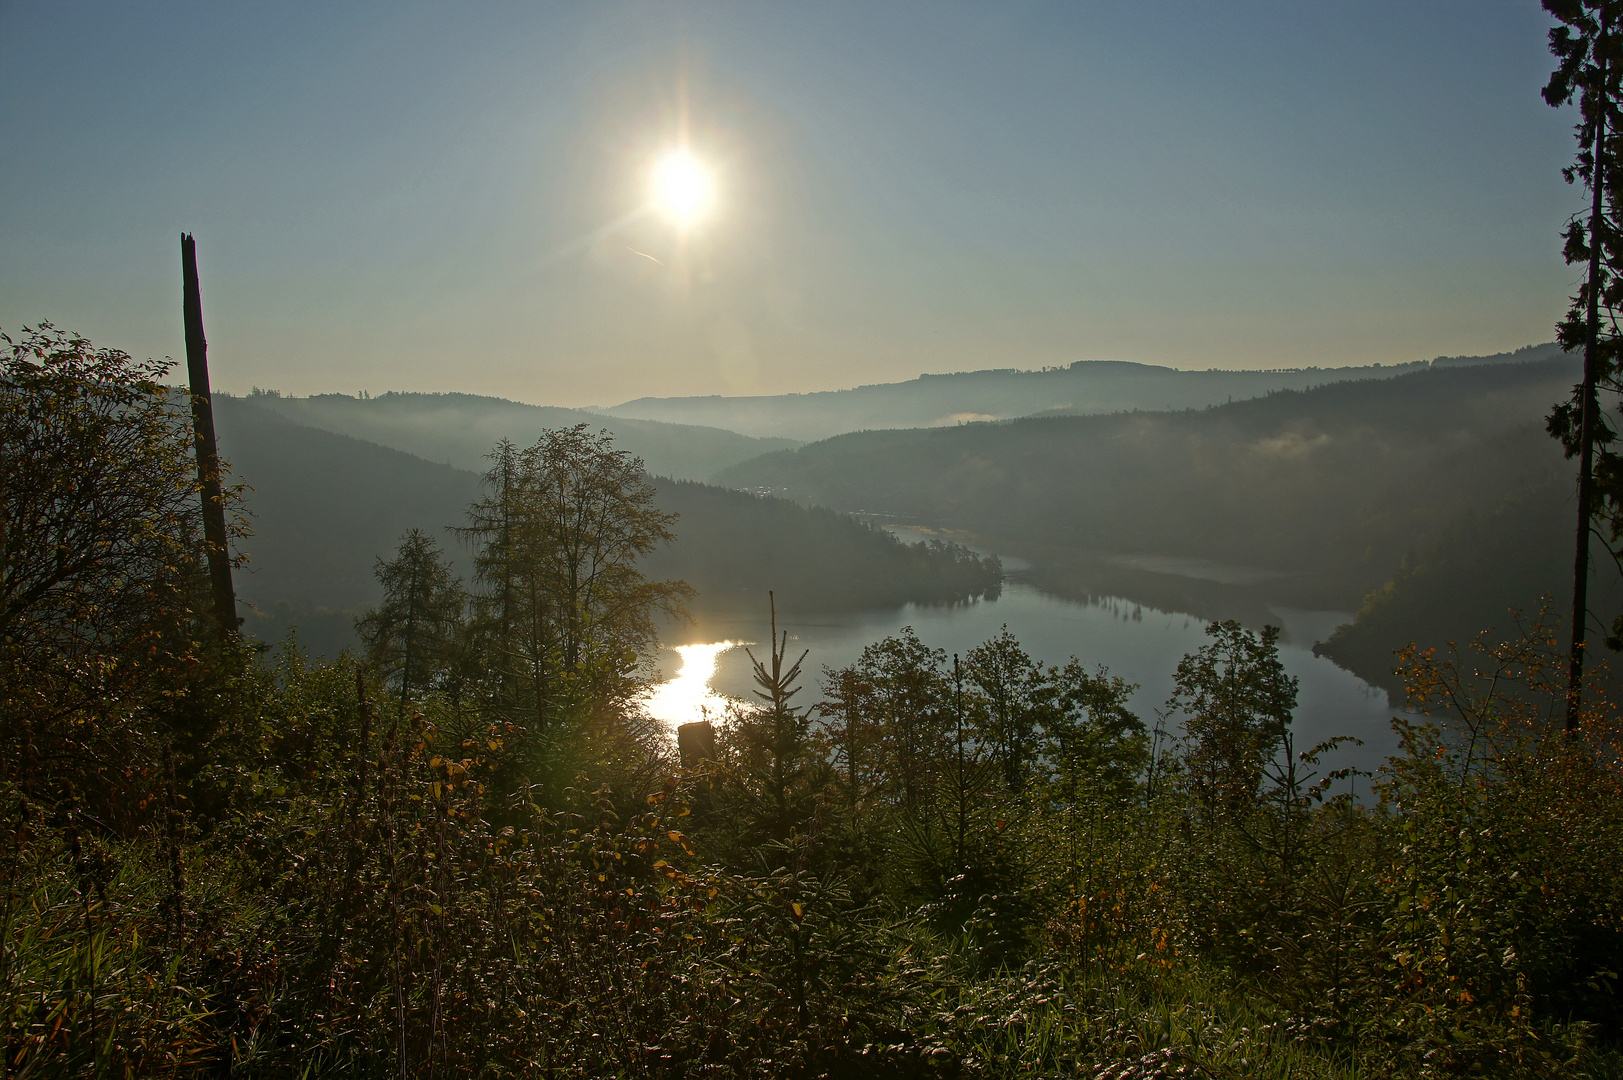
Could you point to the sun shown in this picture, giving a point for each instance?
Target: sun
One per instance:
(684, 191)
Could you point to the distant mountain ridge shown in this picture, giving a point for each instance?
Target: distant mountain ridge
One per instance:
(460, 429)
(1084, 388)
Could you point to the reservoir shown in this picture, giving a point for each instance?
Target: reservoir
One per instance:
(1138, 644)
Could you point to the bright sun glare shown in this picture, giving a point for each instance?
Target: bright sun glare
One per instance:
(683, 188)
(688, 697)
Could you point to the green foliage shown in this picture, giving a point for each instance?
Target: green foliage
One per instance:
(413, 637)
(336, 887)
(228, 863)
(1587, 73)
(1237, 702)
(562, 626)
(99, 500)
(1093, 742)
(781, 770)
(1507, 893)
(102, 600)
(897, 723)
(1011, 692)
(959, 781)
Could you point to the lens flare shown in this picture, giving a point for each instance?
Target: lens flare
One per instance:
(684, 190)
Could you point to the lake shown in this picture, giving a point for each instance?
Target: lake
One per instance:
(1136, 643)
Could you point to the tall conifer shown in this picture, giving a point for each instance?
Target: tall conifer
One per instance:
(413, 634)
(1586, 44)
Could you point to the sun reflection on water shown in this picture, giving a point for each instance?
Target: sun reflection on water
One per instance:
(688, 697)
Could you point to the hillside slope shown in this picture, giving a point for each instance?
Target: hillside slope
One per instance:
(324, 507)
(459, 429)
(1508, 556)
(1322, 492)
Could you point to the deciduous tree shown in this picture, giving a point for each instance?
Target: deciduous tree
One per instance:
(1237, 704)
(101, 591)
(1014, 702)
(564, 616)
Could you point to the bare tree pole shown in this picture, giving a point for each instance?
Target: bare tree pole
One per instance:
(208, 454)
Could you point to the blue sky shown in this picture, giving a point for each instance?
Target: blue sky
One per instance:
(445, 197)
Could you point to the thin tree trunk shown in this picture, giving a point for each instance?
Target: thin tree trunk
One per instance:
(408, 662)
(963, 780)
(208, 455)
(1586, 432)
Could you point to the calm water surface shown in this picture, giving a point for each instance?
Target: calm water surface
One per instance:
(708, 662)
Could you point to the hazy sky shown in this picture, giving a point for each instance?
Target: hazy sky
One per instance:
(446, 196)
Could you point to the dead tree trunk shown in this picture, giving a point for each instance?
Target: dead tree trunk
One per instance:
(208, 455)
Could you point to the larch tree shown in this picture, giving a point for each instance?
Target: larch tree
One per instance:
(413, 635)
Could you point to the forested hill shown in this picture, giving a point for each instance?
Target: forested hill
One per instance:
(1507, 554)
(325, 506)
(1322, 492)
(732, 544)
(459, 429)
(1084, 388)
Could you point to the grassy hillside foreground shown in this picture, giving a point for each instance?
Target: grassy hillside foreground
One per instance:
(471, 853)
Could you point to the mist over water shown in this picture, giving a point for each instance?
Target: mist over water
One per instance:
(1137, 643)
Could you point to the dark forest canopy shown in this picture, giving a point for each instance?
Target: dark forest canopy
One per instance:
(734, 543)
(1492, 566)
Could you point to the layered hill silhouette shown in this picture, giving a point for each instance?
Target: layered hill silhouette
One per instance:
(1426, 498)
(1083, 388)
(1304, 499)
(324, 507)
(459, 429)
